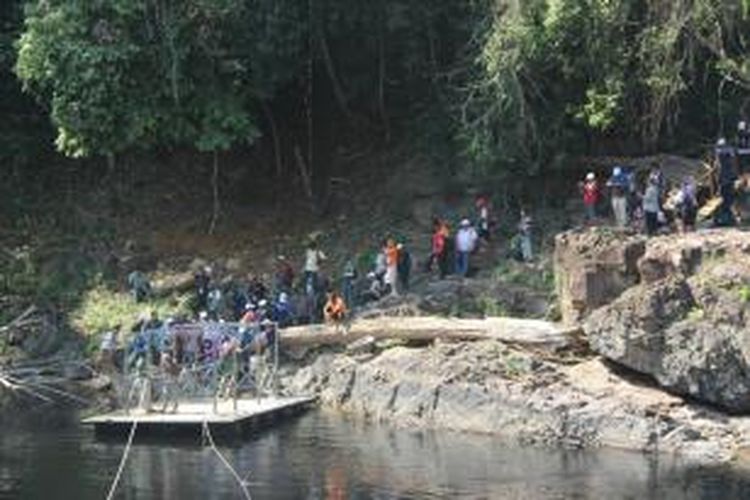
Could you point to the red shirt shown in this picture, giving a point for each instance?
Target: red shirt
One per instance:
(590, 193)
(438, 242)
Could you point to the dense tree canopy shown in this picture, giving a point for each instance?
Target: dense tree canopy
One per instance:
(504, 85)
(555, 77)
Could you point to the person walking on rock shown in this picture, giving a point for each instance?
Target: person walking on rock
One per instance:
(651, 206)
(590, 192)
(437, 246)
(726, 159)
(347, 282)
(524, 234)
(686, 204)
(483, 219)
(404, 267)
(466, 241)
(313, 259)
(618, 192)
(391, 273)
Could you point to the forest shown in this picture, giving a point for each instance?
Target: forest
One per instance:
(491, 86)
(100, 98)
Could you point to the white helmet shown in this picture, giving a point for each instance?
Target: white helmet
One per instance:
(617, 171)
(590, 176)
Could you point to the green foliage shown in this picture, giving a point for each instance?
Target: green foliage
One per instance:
(102, 309)
(552, 77)
(490, 307)
(696, 314)
(511, 272)
(120, 74)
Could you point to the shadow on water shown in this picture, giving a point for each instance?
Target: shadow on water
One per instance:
(324, 456)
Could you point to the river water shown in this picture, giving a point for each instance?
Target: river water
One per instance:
(324, 456)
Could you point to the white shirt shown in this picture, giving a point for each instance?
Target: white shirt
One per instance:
(381, 263)
(651, 199)
(466, 239)
(109, 341)
(312, 260)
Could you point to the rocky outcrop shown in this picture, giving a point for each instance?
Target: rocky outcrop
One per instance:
(593, 267)
(489, 387)
(688, 323)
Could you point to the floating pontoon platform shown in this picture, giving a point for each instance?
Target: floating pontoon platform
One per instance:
(192, 415)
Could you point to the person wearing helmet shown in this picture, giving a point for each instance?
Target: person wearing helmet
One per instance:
(618, 187)
(590, 192)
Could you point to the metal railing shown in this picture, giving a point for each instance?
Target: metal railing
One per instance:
(251, 368)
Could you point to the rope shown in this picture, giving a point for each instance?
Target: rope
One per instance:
(243, 486)
(124, 459)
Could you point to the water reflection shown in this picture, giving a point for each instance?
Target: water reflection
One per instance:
(326, 457)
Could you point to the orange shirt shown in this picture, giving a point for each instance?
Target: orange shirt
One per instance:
(391, 255)
(335, 308)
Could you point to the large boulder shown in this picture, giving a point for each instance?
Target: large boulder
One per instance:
(593, 267)
(687, 323)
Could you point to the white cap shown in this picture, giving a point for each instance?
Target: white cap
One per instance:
(283, 297)
(721, 142)
(262, 303)
(465, 223)
(616, 171)
(742, 125)
(590, 176)
(203, 315)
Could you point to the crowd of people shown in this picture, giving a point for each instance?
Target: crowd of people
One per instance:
(653, 205)
(234, 319)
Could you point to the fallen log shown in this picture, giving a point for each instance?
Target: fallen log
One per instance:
(533, 333)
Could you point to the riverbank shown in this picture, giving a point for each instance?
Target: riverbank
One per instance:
(523, 396)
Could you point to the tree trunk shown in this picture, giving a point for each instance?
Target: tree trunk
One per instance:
(331, 70)
(305, 175)
(215, 188)
(537, 333)
(381, 81)
(275, 137)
